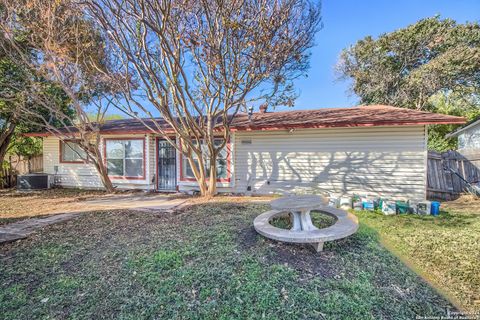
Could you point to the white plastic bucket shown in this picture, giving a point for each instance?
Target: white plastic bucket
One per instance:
(345, 202)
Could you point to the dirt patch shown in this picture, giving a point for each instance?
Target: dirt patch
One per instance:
(303, 259)
(15, 205)
(466, 203)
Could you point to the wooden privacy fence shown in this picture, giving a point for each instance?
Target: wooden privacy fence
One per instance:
(442, 183)
(19, 165)
(23, 165)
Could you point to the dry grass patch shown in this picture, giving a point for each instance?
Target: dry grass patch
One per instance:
(15, 205)
(444, 250)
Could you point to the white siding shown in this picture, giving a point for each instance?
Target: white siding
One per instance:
(85, 175)
(67, 174)
(470, 138)
(385, 161)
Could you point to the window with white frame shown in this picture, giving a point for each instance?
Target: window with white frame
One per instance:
(221, 163)
(125, 157)
(72, 152)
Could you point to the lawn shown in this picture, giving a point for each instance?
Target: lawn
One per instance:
(445, 250)
(206, 262)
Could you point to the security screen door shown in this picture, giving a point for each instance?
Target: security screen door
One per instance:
(167, 173)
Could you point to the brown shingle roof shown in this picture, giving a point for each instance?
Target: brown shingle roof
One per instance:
(374, 115)
(133, 125)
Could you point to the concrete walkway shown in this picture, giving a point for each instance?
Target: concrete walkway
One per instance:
(156, 203)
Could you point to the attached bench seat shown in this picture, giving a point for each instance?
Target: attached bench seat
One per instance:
(346, 225)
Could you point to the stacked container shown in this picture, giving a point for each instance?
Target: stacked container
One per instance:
(357, 203)
(389, 207)
(402, 207)
(368, 203)
(424, 207)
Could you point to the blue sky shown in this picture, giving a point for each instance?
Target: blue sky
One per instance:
(346, 21)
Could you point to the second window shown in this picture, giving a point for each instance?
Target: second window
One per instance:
(125, 157)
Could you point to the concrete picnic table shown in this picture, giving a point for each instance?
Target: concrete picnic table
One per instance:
(303, 230)
(299, 207)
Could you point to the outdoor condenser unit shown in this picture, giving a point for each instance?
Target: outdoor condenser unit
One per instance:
(33, 181)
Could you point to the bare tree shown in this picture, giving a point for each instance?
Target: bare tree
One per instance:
(198, 62)
(64, 49)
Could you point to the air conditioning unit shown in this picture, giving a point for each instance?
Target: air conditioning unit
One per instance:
(33, 181)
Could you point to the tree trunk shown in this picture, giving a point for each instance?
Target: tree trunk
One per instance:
(102, 171)
(107, 183)
(198, 172)
(212, 180)
(94, 153)
(206, 178)
(5, 138)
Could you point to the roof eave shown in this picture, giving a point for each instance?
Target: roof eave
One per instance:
(37, 134)
(460, 130)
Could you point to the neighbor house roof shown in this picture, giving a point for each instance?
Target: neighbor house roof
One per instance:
(467, 126)
(361, 116)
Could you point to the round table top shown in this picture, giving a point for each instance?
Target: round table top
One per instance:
(302, 202)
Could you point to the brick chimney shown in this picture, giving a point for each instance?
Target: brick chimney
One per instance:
(263, 108)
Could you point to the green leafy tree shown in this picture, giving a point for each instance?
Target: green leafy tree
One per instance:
(418, 66)
(65, 49)
(15, 99)
(25, 146)
(10, 78)
(467, 106)
(106, 117)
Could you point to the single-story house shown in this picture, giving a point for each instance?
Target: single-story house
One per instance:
(374, 150)
(468, 136)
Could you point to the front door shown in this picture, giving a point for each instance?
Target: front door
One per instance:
(167, 173)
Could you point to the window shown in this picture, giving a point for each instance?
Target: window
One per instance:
(70, 152)
(125, 157)
(222, 163)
